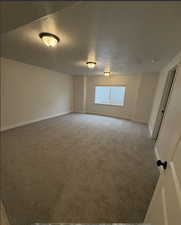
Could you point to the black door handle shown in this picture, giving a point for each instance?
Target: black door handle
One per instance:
(160, 163)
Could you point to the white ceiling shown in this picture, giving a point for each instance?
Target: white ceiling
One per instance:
(18, 13)
(122, 36)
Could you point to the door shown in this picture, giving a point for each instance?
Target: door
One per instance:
(164, 101)
(165, 207)
(3, 216)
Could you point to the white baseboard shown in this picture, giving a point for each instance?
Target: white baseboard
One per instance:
(81, 112)
(139, 121)
(117, 116)
(32, 121)
(109, 115)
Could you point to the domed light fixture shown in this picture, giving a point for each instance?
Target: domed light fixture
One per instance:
(91, 65)
(50, 40)
(106, 74)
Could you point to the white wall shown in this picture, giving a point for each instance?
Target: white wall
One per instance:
(79, 94)
(131, 83)
(140, 91)
(30, 93)
(146, 93)
(171, 126)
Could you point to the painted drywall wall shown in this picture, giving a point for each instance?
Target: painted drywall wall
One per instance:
(80, 94)
(131, 83)
(146, 93)
(140, 91)
(170, 131)
(30, 93)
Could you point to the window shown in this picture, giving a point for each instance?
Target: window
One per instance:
(110, 95)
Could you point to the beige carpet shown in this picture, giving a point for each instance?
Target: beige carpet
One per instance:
(78, 168)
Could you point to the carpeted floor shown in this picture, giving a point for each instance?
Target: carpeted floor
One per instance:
(78, 168)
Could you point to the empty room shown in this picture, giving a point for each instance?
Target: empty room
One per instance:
(90, 112)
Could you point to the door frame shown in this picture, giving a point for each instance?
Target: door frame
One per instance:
(168, 87)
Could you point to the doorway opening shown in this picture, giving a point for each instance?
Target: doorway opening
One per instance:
(164, 101)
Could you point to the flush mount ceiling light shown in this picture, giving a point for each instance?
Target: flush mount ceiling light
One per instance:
(91, 65)
(106, 74)
(49, 39)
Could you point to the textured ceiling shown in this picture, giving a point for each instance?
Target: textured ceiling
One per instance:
(121, 36)
(18, 13)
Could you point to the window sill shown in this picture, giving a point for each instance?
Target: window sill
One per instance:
(108, 105)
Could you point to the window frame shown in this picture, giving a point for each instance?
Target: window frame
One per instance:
(110, 85)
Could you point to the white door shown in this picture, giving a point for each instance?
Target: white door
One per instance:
(165, 207)
(3, 216)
